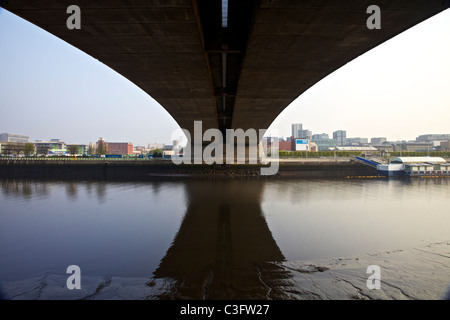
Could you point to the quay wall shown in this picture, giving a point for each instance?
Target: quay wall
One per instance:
(163, 169)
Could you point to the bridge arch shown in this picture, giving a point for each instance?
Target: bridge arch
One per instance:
(238, 75)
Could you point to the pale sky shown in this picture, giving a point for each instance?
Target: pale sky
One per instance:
(48, 89)
(398, 90)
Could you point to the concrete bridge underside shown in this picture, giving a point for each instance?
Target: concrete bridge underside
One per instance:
(238, 75)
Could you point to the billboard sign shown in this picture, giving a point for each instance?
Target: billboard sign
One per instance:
(57, 152)
(301, 144)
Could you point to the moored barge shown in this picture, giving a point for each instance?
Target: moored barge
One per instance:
(415, 167)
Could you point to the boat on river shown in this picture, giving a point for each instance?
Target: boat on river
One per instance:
(415, 167)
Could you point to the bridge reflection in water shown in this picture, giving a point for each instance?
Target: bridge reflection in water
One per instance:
(223, 246)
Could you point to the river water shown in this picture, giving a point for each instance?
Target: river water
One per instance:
(208, 238)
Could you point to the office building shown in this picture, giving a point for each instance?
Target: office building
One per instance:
(341, 137)
(42, 147)
(285, 145)
(296, 128)
(366, 150)
(444, 146)
(304, 134)
(124, 148)
(299, 132)
(378, 141)
(320, 136)
(324, 144)
(101, 147)
(419, 146)
(357, 141)
(11, 148)
(432, 137)
(12, 137)
(78, 148)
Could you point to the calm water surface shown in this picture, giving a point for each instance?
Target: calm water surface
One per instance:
(173, 228)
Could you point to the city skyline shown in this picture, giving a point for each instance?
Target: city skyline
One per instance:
(49, 89)
(330, 134)
(336, 135)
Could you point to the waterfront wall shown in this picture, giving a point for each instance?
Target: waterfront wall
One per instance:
(107, 169)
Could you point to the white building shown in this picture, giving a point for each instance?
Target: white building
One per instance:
(12, 137)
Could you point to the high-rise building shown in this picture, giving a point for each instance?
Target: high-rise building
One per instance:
(12, 137)
(296, 128)
(340, 136)
(298, 132)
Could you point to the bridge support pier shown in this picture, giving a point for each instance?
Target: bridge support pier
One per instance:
(223, 153)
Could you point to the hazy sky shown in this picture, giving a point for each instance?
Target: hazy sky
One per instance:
(48, 89)
(398, 90)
